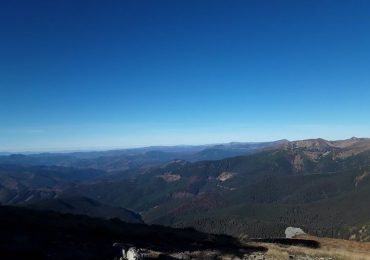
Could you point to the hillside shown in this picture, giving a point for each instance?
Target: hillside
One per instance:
(319, 185)
(85, 206)
(41, 235)
(46, 235)
(316, 184)
(20, 184)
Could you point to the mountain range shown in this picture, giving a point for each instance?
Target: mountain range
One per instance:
(123, 159)
(319, 185)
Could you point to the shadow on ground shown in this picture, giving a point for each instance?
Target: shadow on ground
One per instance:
(34, 234)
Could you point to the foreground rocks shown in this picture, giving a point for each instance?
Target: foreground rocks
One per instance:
(292, 257)
(133, 253)
(136, 254)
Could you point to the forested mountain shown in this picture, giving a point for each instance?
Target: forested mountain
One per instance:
(321, 186)
(26, 183)
(84, 206)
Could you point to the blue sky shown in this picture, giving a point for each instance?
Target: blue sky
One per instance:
(103, 74)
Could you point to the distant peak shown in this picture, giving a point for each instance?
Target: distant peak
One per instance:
(282, 141)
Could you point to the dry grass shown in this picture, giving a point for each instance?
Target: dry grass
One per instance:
(330, 248)
(346, 248)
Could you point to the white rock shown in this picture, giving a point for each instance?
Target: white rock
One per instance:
(133, 254)
(291, 232)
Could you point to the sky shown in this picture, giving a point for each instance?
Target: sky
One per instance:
(79, 74)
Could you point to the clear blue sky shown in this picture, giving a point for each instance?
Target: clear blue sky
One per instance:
(100, 74)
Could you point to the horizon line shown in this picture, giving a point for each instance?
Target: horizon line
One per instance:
(113, 148)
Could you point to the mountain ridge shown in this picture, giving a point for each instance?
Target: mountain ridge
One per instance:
(301, 177)
(302, 183)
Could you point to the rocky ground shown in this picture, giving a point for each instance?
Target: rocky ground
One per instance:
(279, 249)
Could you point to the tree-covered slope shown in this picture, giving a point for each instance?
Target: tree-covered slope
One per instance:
(30, 234)
(319, 185)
